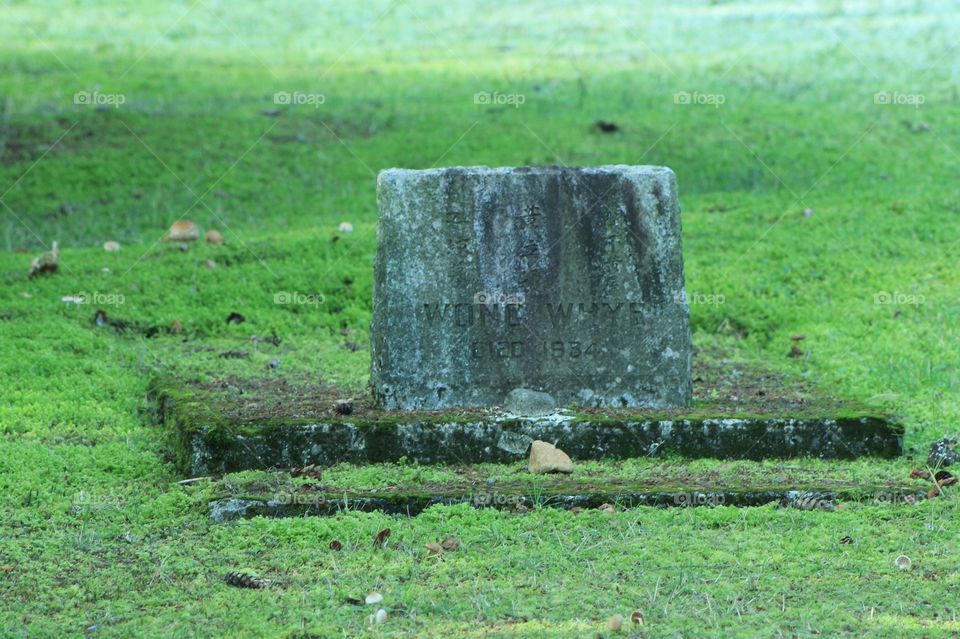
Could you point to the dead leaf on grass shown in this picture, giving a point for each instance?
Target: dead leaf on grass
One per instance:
(310, 470)
(380, 540)
(450, 544)
(615, 623)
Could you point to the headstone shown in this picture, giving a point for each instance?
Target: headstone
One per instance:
(565, 281)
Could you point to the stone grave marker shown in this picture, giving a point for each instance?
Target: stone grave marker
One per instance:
(509, 284)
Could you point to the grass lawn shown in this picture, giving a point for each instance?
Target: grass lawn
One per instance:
(816, 146)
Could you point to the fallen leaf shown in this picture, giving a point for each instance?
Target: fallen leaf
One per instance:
(176, 327)
(210, 263)
(942, 476)
(933, 492)
(615, 623)
(607, 508)
(214, 237)
(450, 544)
(798, 338)
(607, 127)
(434, 548)
(846, 540)
(234, 355)
(111, 247)
(273, 339)
(310, 470)
(920, 473)
(637, 617)
(380, 540)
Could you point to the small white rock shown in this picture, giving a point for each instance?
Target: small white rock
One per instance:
(345, 227)
(903, 562)
(374, 598)
(111, 246)
(380, 617)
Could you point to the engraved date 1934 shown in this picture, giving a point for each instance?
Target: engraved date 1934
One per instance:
(510, 349)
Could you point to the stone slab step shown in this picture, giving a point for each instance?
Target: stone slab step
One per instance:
(741, 411)
(231, 508)
(409, 490)
(212, 449)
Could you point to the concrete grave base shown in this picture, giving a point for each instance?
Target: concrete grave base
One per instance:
(740, 412)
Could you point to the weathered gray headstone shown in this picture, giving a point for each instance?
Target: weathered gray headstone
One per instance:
(567, 281)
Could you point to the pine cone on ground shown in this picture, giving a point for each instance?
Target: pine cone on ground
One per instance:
(46, 263)
(245, 580)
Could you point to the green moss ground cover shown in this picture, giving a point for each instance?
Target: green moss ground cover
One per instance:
(98, 539)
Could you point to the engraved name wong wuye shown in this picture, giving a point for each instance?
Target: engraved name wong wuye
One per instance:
(515, 310)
